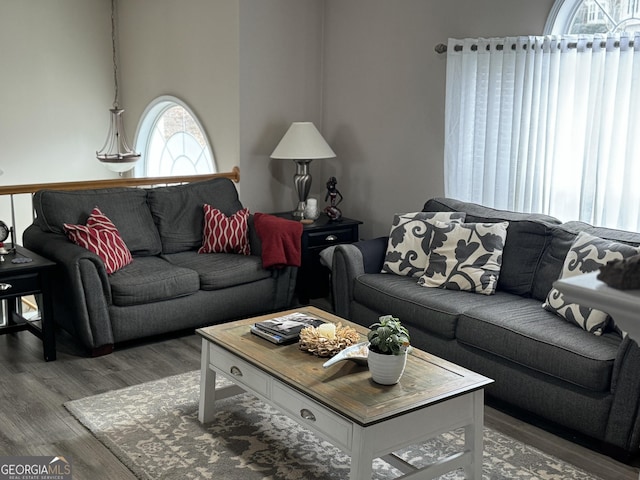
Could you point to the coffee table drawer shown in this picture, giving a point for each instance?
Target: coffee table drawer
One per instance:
(239, 371)
(315, 416)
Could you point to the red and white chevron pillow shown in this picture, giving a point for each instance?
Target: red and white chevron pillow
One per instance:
(101, 237)
(224, 234)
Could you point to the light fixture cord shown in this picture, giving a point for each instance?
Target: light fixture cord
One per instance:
(113, 46)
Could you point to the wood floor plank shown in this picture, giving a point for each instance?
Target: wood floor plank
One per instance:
(33, 420)
(587, 459)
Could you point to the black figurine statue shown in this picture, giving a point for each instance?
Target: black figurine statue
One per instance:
(332, 210)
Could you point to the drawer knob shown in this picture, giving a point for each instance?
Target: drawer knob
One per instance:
(307, 415)
(331, 238)
(236, 371)
(5, 286)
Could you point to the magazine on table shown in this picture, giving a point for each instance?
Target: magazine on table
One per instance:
(285, 328)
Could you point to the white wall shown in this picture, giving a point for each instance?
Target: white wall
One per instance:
(56, 88)
(384, 89)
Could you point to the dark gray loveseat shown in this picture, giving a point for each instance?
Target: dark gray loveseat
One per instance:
(541, 364)
(168, 286)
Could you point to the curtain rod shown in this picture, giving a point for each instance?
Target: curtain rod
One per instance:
(442, 48)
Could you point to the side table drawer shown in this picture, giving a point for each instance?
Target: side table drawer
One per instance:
(315, 416)
(327, 238)
(19, 285)
(239, 371)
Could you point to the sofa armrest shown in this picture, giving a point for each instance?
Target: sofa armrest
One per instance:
(351, 261)
(623, 428)
(373, 252)
(81, 290)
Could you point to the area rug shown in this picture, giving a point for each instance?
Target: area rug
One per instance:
(153, 429)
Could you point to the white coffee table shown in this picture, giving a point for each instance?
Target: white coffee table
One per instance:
(343, 405)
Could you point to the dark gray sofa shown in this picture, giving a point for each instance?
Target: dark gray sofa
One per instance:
(541, 364)
(168, 286)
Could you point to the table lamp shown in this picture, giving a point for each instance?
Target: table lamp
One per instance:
(302, 143)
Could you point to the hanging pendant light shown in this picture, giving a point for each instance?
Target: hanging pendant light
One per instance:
(116, 154)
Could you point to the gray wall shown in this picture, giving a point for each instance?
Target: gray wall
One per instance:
(384, 89)
(280, 83)
(246, 68)
(188, 49)
(363, 70)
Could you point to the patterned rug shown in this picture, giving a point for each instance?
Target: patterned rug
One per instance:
(153, 429)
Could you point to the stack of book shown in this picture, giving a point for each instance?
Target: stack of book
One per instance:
(285, 329)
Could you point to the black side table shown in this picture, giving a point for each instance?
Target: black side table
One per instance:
(314, 278)
(30, 278)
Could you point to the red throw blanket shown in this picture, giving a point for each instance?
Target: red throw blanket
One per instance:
(281, 240)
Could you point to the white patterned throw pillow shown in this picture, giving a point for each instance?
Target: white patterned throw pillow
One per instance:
(410, 241)
(587, 254)
(465, 256)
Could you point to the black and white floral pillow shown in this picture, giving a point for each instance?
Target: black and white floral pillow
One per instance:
(465, 256)
(410, 241)
(587, 254)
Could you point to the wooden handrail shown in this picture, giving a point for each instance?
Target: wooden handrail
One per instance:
(116, 182)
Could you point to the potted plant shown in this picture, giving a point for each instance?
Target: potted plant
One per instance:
(388, 346)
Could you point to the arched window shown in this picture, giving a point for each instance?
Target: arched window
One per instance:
(172, 141)
(593, 16)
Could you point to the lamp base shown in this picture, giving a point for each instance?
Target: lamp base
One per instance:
(299, 211)
(302, 182)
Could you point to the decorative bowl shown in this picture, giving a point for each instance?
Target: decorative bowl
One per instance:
(357, 353)
(312, 341)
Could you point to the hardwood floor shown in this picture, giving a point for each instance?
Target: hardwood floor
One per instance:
(33, 420)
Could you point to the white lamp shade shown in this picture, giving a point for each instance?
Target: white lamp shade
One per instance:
(303, 141)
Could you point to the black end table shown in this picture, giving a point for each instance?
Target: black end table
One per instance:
(29, 278)
(313, 278)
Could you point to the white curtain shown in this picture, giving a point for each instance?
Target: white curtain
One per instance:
(546, 124)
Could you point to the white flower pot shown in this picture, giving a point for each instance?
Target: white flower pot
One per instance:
(386, 369)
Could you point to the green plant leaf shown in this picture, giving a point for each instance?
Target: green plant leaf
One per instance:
(388, 336)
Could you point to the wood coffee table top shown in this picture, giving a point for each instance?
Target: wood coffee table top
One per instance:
(346, 387)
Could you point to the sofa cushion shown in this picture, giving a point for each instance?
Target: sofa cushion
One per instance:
(177, 211)
(221, 270)
(482, 213)
(151, 279)
(225, 234)
(551, 261)
(101, 237)
(410, 241)
(522, 332)
(528, 236)
(562, 237)
(621, 236)
(587, 254)
(465, 256)
(433, 310)
(126, 207)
